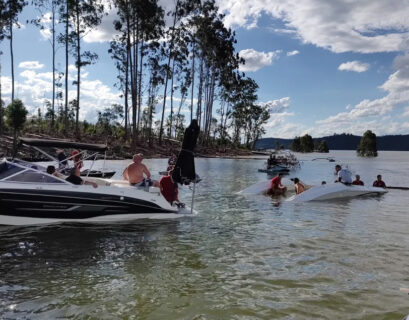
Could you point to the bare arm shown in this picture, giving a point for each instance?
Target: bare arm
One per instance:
(91, 183)
(125, 174)
(146, 171)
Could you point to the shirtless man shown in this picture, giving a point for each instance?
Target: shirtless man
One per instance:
(135, 171)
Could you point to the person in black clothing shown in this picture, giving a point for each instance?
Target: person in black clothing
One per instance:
(62, 159)
(75, 178)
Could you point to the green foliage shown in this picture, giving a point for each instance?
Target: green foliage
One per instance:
(16, 115)
(322, 147)
(367, 146)
(302, 144)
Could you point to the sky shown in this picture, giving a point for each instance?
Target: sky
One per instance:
(322, 67)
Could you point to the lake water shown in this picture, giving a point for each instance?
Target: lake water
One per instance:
(239, 258)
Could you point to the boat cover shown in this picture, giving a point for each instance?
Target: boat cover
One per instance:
(184, 171)
(63, 144)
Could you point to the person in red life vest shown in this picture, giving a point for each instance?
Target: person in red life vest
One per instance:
(276, 188)
(378, 182)
(358, 181)
(169, 189)
(77, 158)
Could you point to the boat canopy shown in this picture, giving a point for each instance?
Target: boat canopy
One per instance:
(63, 144)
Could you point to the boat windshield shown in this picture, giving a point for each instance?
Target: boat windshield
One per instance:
(32, 176)
(13, 173)
(7, 169)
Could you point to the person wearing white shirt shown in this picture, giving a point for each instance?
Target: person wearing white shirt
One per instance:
(344, 176)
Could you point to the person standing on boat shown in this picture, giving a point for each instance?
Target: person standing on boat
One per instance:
(344, 176)
(169, 189)
(378, 182)
(276, 188)
(358, 181)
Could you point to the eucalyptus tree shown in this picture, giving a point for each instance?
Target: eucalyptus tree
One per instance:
(9, 11)
(214, 45)
(85, 15)
(48, 10)
(120, 53)
(140, 26)
(182, 9)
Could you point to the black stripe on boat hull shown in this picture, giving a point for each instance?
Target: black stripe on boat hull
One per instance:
(77, 205)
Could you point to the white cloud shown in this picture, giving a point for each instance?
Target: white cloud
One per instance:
(355, 66)
(277, 106)
(406, 112)
(34, 88)
(292, 53)
(30, 65)
(256, 60)
(339, 26)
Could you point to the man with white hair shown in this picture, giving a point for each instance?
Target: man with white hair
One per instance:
(134, 172)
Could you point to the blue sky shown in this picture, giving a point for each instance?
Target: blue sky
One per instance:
(323, 67)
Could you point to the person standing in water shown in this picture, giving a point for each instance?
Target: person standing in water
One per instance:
(276, 188)
(378, 182)
(299, 187)
(358, 181)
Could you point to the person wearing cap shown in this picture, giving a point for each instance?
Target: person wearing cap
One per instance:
(299, 187)
(276, 188)
(357, 181)
(344, 176)
(77, 158)
(136, 172)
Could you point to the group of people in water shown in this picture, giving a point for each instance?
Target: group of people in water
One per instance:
(136, 173)
(343, 176)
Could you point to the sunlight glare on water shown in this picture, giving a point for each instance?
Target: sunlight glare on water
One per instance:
(241, 258)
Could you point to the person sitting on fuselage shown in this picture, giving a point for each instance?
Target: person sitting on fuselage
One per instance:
(276, 188)
(358, 181)
(299, 187)
(344, 176)
(378, 182)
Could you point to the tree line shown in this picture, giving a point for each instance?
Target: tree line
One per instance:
(190, 64)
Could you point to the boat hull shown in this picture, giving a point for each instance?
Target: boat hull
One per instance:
(37, 205)
(335, 191)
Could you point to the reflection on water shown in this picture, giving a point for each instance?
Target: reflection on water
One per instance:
(241, 257)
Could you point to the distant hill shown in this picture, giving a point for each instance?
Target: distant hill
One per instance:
(344, 142)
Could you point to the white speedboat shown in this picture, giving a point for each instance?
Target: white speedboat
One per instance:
(333, 191)
(30, 196)
(318, 193)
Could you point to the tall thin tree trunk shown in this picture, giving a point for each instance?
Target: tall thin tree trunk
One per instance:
(167, 73)
(126, 91)
(136, 44)
(78, 68)
(1, 102)
(12, 60)
(199, 94)
(53, 45)
(66, 66)
(141, 54)
(171, 98)
(193, 82)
